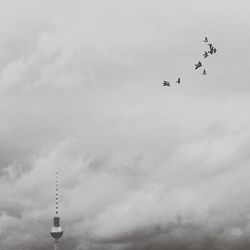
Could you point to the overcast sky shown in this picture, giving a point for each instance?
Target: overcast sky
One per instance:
(141, 166)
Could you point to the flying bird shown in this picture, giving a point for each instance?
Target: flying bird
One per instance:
(198, 65)
(205, 54)
(166, 84)
(205, 40)
(178, 80)
(211, 51)
(210, 45)
(204, 72)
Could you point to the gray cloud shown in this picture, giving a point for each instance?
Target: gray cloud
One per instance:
(140, 166)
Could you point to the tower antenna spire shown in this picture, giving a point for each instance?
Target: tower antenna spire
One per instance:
(56, 231)
(57, 193)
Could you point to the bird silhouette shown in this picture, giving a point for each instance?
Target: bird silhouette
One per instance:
(165, 83)
(211, 51)
(178, 80)
(204, 72)
(205, 40)
(198, 65)
(205, 54)
(210, 45)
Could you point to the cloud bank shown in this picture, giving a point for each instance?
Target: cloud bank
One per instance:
(140, 166)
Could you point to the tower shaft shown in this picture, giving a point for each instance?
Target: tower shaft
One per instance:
(56, 193)
(56, 244)
(56, 231)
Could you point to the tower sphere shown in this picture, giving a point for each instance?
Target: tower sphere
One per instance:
(56, 232)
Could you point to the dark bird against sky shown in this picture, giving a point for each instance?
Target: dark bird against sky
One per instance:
(165, 83)
(178, 80)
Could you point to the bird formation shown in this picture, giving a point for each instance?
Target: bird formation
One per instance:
(212, 50)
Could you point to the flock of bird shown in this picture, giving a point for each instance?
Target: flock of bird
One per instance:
(211, 51)
(165, 83)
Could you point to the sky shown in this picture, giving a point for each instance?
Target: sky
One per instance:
(141, 166)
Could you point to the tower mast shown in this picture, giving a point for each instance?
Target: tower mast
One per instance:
(56, 231)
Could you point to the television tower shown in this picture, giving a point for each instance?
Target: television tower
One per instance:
(56, 231)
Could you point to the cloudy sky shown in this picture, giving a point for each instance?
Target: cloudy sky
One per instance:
(141, 166)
